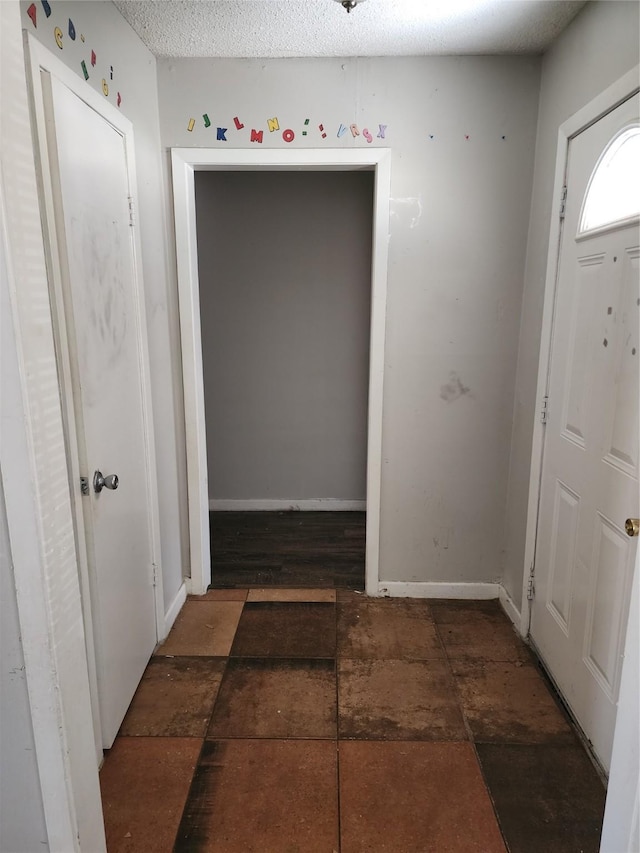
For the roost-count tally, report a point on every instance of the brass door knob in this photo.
(632, 526)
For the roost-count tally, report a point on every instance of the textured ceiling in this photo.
(277, 28)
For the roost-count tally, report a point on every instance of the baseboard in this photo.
(435, 589)
(510, 609)
(174, 608)
(279, 505)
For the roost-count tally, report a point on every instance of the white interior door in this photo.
(88, 161)
(584, 558)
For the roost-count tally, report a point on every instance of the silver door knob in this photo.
(108, 482)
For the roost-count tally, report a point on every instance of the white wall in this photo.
(459, 217)
(285, 301)
(597, 48)
(118, 48)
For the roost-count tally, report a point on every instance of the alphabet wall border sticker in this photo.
(272, 125)
(65, 33)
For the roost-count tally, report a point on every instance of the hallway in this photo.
(282, 720)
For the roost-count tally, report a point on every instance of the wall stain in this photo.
(454, 389)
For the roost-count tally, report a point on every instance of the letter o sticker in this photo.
(57, 34)
(288, 135)
(105, 88)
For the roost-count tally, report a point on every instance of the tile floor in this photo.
(316, 721)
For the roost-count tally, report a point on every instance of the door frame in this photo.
(185, 162)
(38, 59)
(602, 104)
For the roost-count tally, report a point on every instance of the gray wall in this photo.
(134, 75)
(597, 48)
(22, 826)
(459, 218)
(285, 283)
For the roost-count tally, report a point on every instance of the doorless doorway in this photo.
(185, 163)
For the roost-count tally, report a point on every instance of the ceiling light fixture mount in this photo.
(349, 4)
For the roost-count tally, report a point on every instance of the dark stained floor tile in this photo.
(294, 549)
(398, 700)
(470, 632)
(266, 796)
(203, 628)
(509, 702)
(276, 698)
(286, 629)
(414, 798)
(387, 628)
(490, 606)
(175, 697)
(145, 782)
(548, 798)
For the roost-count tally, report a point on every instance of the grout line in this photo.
(188, 797)
(470, 735)
(204, 739)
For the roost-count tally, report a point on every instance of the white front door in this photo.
(105, 339)
(584, 558)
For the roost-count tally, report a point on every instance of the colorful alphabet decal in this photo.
(59, 36)
(272, 125)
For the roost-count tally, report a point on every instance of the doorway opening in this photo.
(284, 265)
(186, 163)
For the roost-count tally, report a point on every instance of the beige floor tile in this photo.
(265, 796)
(414, 798)
(221, 595)
(470, 631)
(203, 628)
(175, 697)
(145, 783)
(509, 702)
(276, 698)
(292, 595)
(391, 629)
(398, 700)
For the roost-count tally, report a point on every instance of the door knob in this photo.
(108, 482)
(632, 526)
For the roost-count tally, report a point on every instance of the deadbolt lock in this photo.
(632, 526)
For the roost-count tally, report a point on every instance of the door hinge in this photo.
(531, 586)
(154, 569)
(544, 410)
(563, 201)
(132, 212)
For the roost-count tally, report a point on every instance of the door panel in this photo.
(584, 559)
(88, 159)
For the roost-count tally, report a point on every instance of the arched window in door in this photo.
(613, 194)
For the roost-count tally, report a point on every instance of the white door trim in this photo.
(40, 59)
(621, 827)
(185, 161)
(606, 101)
